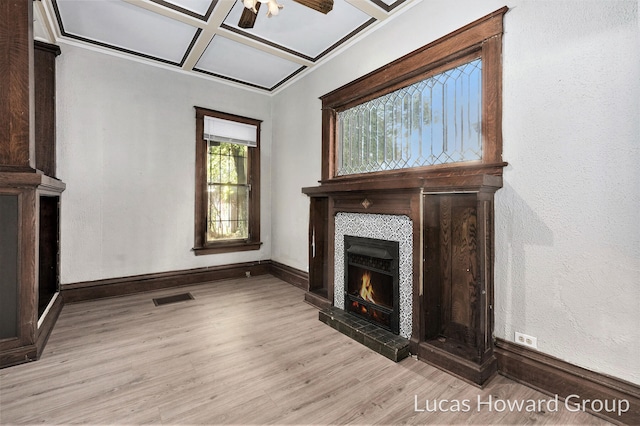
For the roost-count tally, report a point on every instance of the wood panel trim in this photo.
(17, 141)
(455, 44)
(553, 376)
(479, 39)
(290, 275)
(112, 287)
(32, 351)
(442, 180)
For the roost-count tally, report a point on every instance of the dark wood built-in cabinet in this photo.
(30, 194)
(457, 324)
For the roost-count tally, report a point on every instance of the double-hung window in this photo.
(227, 183)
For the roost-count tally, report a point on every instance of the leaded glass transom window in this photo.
(434, 121)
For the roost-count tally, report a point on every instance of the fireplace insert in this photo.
(372, 281)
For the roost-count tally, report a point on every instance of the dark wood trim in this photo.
(553, 376)
(30, 180)
(320, 301)
(226, 248)
(441, 179)
(290, 275)
(113, 287)
(477, 374)
(45, 110)
(318, 247)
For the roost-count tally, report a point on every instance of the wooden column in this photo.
(17, 146)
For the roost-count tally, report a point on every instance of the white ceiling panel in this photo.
(203, 36)
(237, 61)
(201, 7)
(302, 29)
(125, 26)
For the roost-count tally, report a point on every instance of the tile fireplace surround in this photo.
(383, 227)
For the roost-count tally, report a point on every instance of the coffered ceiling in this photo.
(203, 36)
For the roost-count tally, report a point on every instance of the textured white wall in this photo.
(567, 221)
(126, 150)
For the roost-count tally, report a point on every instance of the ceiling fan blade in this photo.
(248, 18)
(323, 6)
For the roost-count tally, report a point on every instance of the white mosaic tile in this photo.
(383, 227)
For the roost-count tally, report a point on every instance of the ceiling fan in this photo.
(251, 7)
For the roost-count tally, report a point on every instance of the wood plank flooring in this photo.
(245, 351)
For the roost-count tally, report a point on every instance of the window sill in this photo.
(227, 248)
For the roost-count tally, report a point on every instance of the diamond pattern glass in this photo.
(434, 121)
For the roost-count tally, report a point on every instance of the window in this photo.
(434, 111)
(227, 216)
(434, 121)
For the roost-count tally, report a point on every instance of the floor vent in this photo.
(172, 299)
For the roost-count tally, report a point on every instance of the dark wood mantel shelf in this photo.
(448, 180)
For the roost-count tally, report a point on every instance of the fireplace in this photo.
(371, 291)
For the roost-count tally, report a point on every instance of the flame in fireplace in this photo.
(366, 289)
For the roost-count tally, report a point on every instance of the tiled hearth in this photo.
(394, 347)
(386, 227)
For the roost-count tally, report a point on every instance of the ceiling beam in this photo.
(198, 49)
(220, 12)
(369, 8)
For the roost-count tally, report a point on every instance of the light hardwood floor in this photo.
(246, 351)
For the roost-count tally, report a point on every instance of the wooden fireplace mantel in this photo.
(472, 177)
(451, 210)
(450, 206)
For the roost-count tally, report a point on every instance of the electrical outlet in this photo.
(526, 340)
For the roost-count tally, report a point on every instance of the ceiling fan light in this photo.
(248, 17)
(274, 8)
(324, 6)
(250, 4)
